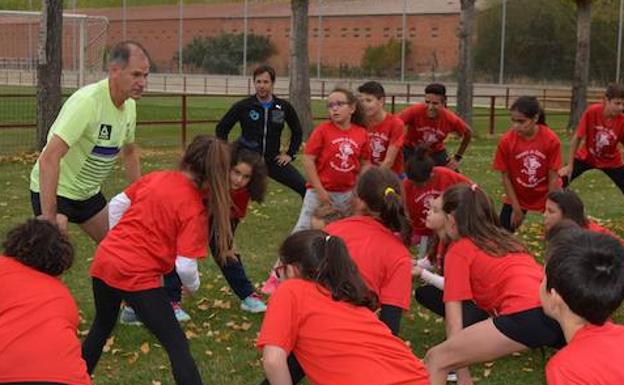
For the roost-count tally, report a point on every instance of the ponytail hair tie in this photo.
(327, 238)
(388, 191)
(473, 187)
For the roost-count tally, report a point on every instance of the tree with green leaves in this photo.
(383, 59)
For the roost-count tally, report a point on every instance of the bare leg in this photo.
(477, 343)
(97, 226)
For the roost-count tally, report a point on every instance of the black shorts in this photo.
(532, 328)
(75, 211)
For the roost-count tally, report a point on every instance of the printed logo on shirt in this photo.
(430, 135)
(277, 116)
(346, 149)
(532, 161)
(603, 139)
(254, 115)
(427, 199)
(105, 131)
(378, 146)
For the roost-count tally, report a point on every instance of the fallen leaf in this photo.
(133, 358)
(145, 348)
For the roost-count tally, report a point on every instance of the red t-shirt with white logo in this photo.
(424, 131)
(166, 218)
(419, 198)
(602, 137)
(383, 135)
(527, 162)
(499, 285)
(240, 200)
(382, 259)
(338, 154)
(334, 341)
(38, 325)
(594, 356)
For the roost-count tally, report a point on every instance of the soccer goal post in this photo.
(84, 42)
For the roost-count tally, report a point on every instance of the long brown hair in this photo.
(476, 219)
(380, 189)
(208, 160)
(324, 259)
(258, 182)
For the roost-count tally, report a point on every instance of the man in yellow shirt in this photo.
(95, 125)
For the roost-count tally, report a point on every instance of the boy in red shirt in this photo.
(583, 286)
(595, 144)
(528, 157)
(429, 123)
(385, 130)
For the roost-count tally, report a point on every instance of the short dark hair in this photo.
(419, 165)
(530, 107)
(258, 183)
(436, 89)
(614, 91)
(120, 53)
(372, 88)
(570, 204)
(262, 68)
(586, 269)
(41, 245)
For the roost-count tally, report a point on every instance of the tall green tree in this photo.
(299, 90)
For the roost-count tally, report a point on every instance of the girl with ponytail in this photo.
(162, 225)
(321, 314)
(486, 264)
(528, 157)
(382, 258)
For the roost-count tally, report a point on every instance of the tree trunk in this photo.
(578, 102)
(464, 74)
(49, 67)
(299, 64)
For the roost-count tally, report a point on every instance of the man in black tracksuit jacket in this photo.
(262, 117)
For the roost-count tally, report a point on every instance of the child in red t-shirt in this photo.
(385, 130)
(248, 180)
(488, 265)
(582, 287)
(429, 123)
(424, 183)
(334, 155)
(38, 316)
(528, 157)
(165, 226)
(600, 131)
(322, 315)
(566, 204)
(382, 258)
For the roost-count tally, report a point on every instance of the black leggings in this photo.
(431, 297)
(505, 217)
(615, 174)
(154, 310)
(287, 175)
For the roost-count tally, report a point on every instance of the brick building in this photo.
(349, 26)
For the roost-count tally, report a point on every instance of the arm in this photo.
(116, 208)
(310, 169)
(553, 180)
(391, 316)
(132, 164)
(391, 155)
(275, 365)
(517, 215)
(296, 132)
(575, 143)
(188, 273)
(227, 122)
(49, 169)
(466, 138)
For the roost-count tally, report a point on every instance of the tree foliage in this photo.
(223, 54)
(541, 40)
(384, 59)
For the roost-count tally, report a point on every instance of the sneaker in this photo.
(270, 285)
(129, 317)
(180, 314)
(253, 304)
(451, 377)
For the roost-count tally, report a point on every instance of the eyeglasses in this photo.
(279, 270)
(331, 105)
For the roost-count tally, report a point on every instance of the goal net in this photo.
(84, 42)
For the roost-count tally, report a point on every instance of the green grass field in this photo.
(222, 337)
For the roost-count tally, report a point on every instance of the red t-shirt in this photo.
(602, 136)
(595, 227)
(527, 163)
(419, 198)
(336, 342)
(383, 135)
(38, 324)
(240, 200)
(422, 130)
(166, 218)
(382, 259)
(498, 285)
(594, 356)
(338, 153)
